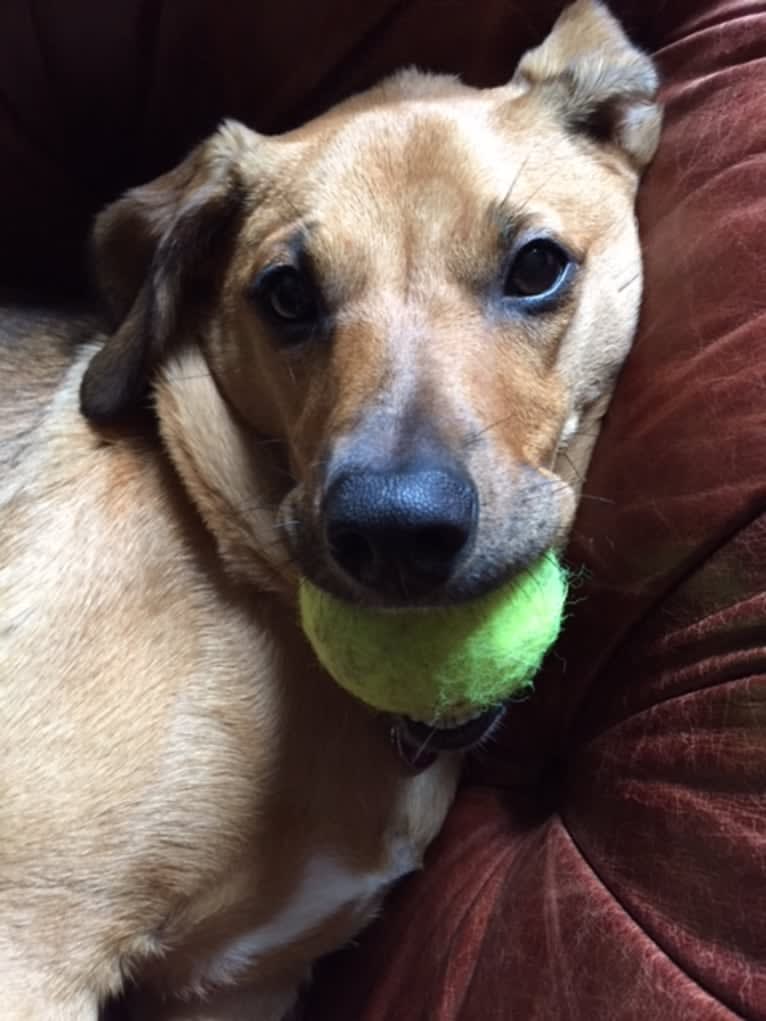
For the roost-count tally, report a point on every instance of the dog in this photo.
(373, 352)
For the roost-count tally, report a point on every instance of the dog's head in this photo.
(417, 296)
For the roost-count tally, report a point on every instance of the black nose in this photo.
(400, 532)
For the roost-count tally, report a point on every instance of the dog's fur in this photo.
(187, 802)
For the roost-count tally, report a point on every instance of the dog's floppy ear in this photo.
(156, 243)
(603, 86)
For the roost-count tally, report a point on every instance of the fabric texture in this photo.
(606, 856)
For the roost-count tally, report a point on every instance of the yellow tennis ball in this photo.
(440, 664)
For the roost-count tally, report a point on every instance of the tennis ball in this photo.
(439, 665)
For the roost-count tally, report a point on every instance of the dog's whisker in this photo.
(493, 425)
(516, 177)
(544, 184)
(263, 508)
(424, 746)
(598, 499)
(279, 526)
(190, 378)
(632, 280)
(561, 486)
(570, 462)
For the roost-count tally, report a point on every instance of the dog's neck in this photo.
(229, 474)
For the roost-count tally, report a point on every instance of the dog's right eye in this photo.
(539, 273)
(287, 296)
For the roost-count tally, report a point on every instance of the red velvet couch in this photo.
(606, 857)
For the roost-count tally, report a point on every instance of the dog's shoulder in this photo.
(38, 349)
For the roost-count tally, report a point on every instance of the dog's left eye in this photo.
(287, 295)
(538, 270)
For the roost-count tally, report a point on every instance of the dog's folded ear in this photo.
(603, 86)
(158, 243)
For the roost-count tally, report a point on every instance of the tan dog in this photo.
(376, 349)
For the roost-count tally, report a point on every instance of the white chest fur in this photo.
(327, 885)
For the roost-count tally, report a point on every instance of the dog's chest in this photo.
(326, 887)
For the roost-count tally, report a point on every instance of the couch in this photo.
(605, 859)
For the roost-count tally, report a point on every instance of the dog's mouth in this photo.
(404, 567)
(419, 744)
